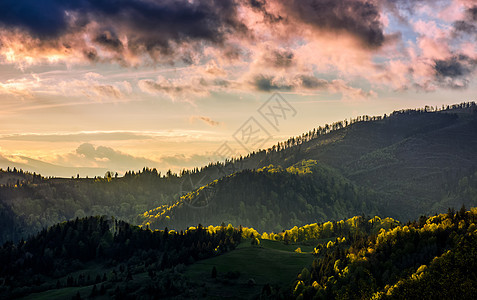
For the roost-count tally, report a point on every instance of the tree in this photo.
(77, 297)
(214, 272)
(94, 291)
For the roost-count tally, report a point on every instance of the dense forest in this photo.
(29, 203)
(409, 163)
(269, 199)
(432, 258)
(51, 259)
(357, 258)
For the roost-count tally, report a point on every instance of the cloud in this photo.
(107, 158)
(468, 23)
(180, 89)
(279, 58)
(122, 29)
(305, 82)
(359, 18)
(234, 45)
(181, 161)
(268, 83)
(130, 31)
(212, 69)
(455, 72)
(108, 91)
(311, 82)
(90, 160)
(93, 86)
(89, 136)
(103, 157)
(171, 20)
(109, 41)
(206, 120)
(76, 137)
(349, 92)
(19, 88)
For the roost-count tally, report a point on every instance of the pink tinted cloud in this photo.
(270, 42)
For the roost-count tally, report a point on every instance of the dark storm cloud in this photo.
(464, 26)
(472, 13)
(43, 18)
(108, 40)
(359, 18)
(283, 58)
(165, 30)
(266, 83)
(279, 58)
(469, 23)
(457, 66)
(149, 25)
(91, 54)
(260, 6)
(455, 72)
(311, 82)
(157, 23)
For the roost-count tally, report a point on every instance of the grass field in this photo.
(271, 262)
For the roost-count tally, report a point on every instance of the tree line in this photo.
(55, 253)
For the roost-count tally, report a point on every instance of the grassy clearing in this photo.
(271, 262)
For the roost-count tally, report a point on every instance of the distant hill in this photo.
(402, 165)
(415, 161)
(38, 166)
(29, 202)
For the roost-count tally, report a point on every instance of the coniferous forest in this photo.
(368, 208)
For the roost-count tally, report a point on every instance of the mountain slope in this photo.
(433, 258)
(108, 253)
(412, 157)
(29, 203)
(357, 258)
(413, 160)
(268, 199)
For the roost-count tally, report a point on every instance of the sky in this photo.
(89, 86)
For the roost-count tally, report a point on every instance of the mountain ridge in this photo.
(408, 159)
(413, 159)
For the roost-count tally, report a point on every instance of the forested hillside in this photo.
(405, 164)
(357, 258)
(60, 258)
(433, 258)
(269, 199)
(29, 203)
(411, 162)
